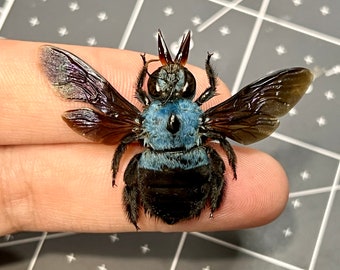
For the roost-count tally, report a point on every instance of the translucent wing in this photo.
(113, 116)
(252, 114)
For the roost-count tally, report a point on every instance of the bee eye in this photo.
(155, 88)
(189, 88)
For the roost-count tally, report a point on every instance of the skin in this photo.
(52, 179)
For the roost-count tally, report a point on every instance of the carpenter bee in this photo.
(179, 173)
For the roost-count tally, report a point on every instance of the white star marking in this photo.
(62, 31)
(73, 6)
(70, 258)
(324, 10)
(287, 232)
(196, 20)
(280, 50)
(114, 238)
(309, 59)
(321, 121)
(168, 11)
(91, 41)
(305, 175)
(145, 249)
(296, 203)
(224, 30)
(102, 16)
(329, 95)
(34, 21)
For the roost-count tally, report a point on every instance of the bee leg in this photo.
(230, 154)
(141, 95)
(131, 198)
(227, 149)
(119, 153)
(217, 180)
(211, 90)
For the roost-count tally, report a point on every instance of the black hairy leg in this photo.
(141, 94)
(230, 154)
(131, 196)
(228, 149)
(216, 180)
(211, 90)
(121, 148)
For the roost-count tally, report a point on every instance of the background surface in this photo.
(249, 39)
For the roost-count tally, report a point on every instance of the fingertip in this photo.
(261, 191)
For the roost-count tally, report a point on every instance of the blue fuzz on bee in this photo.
(156, 118)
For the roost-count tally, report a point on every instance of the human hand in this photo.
(52, 179)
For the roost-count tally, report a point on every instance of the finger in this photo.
(68, 188)
(31, 110)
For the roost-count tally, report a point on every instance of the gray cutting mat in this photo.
(249, 39)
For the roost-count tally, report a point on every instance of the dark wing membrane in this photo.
(252, 113)
(77, 81)
(97, 127)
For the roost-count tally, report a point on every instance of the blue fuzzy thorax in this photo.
(156, 117)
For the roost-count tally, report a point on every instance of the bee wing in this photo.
(252, 113)
(96, 126)
(113, 116)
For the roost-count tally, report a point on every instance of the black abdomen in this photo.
(176, 194)
(173, 186)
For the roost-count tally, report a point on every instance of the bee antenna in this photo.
(163, 51)
(183, 51)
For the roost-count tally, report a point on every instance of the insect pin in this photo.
(179, 173)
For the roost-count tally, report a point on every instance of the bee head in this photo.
(172, 80)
